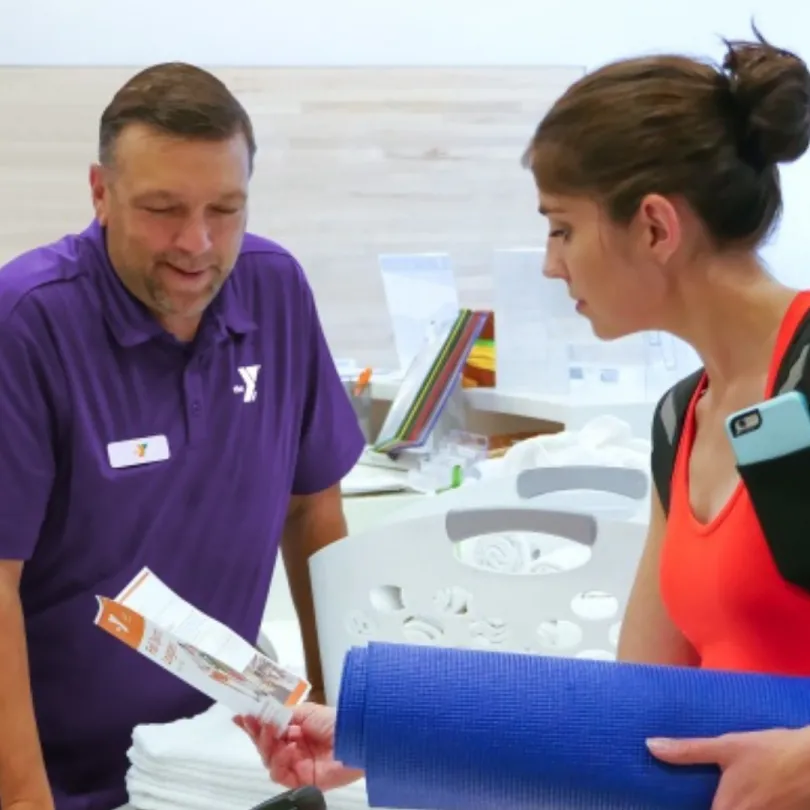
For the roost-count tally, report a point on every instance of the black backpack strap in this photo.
(667, 424)
(778, 486)
(794, 371)
(670, 412)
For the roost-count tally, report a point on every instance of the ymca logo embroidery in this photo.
(248, 390)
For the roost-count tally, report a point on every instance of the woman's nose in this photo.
(553, 267)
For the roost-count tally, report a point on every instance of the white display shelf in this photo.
(573, 410)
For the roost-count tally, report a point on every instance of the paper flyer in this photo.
(151, 618)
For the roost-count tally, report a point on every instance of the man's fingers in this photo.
(268, 741)
(252, 726)
(282, 765)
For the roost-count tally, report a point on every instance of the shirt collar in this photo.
(131, 323)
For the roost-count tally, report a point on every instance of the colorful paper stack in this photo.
(428, 384)
(479, 370)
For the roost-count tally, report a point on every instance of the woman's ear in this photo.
(659, 225)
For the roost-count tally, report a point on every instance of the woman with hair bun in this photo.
(659, 179)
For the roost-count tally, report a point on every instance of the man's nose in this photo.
(194, 236)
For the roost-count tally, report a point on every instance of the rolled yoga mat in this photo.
(451, 729)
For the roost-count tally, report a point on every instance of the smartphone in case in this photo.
(774, 428)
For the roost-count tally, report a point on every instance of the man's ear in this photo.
(99, 192)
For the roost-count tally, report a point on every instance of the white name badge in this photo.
(133, 452)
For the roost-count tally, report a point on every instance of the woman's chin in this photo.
(608, 331)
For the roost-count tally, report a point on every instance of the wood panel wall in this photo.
(351, 163)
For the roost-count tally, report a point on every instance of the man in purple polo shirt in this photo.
(165, 322)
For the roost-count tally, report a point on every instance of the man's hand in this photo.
(761, 770)
(304, 753)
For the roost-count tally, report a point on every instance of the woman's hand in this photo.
(761, 770)
(304, 753)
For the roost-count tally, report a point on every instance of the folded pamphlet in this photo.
(151, 618)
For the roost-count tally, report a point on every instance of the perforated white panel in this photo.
(512, 574)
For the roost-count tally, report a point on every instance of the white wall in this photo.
(407, 32)
(377, 32)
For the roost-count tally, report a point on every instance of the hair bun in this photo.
(771, 89)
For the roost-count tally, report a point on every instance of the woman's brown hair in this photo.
(712, 135)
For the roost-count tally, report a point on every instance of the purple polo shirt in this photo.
(83, 366)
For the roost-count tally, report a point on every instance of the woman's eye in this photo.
(559, 232)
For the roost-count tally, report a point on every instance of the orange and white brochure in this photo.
(151, 618)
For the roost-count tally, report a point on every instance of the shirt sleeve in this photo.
(27, 462)
(331, 438)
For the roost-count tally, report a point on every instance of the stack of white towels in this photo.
(208, 763)
(604, 441)
(202, 763)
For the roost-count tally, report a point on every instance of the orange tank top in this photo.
(719, 583)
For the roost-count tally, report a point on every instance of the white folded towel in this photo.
(506, 553)
(170, 794)
(209, 740)
(604, 440)
(191, 761)
(352, 797)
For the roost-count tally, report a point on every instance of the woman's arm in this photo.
(648, 635)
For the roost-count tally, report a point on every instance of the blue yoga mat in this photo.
(451, 729)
